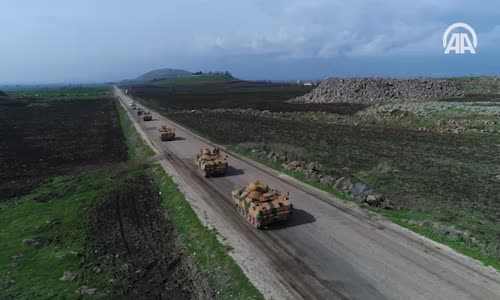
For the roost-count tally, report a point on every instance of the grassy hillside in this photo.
(163, 74)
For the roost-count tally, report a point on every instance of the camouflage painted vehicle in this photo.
(140, 111)
(260, 205)
(147, 116)
(211, 162)
(167, 133)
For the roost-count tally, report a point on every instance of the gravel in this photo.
(362, 90)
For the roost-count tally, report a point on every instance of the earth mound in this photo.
(362, 90)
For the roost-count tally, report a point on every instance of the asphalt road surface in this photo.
(330, 249)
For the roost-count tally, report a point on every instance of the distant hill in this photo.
(162, 74)
(177, 76)
(199, 78)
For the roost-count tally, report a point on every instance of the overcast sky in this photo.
(94, 41)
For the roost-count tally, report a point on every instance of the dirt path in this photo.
(329, 249)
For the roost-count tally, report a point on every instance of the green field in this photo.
(55, 217)
(204, 78)
(60, 94)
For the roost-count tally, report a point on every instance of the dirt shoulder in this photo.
(131, 233)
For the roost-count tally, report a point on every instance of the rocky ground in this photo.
(314, 171)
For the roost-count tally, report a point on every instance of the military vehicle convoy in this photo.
(167, 133)
(260, 205)
(147, 116)
(211, 162)
(140, 111)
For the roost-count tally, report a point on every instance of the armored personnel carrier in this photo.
(211, 162)
(167, 133)
(140, 111)
(147, 116)
(260, 205)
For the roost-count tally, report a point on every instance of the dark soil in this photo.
(131, 234)
(446, 174)
(48, 139)
(232, 95)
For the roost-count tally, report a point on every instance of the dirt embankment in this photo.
(131, 234)
(366, 90)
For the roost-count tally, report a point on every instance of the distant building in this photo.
(308, 84)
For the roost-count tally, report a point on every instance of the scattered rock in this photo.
(313, 167)
(28, 243)
(68, 276)
(466, 235)
(360, 190)
(328, 180)
(313, 176)
(53, 222)
(387, 204)
(343, 183)
(67, 254)
(372, 200)
(294, 165)
(431, 224)
(451, 231)
(84, 290)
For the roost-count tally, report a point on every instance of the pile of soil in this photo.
(367, 90)
(131, 233)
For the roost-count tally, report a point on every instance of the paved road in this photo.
(332, 250)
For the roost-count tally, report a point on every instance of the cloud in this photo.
(55, 40)
(352, 28)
